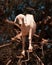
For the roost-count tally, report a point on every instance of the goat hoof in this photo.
(30, 50)
(23, 53)
(12, 39)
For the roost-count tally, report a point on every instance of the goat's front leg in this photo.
(30, 40)
(23, 45)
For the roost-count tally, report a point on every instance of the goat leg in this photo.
(30, 40)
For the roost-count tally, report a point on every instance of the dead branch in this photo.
(38, 59)
(12, 23)
(4, 45)
(8, 62)
(29, 8)
(36, 35)
(17, 31)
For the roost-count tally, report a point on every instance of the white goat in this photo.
(28, 27)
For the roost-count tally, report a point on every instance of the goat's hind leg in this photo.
(23, 45)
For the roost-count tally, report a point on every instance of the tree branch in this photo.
(12, 23)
